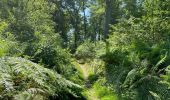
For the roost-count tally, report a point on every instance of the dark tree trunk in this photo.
(108, 15)
(84, 15)
(108, 10)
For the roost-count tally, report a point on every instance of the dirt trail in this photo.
(90, 91)
(85, 71)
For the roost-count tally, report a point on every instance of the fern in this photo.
(131, 76)
(156, 96)
(162, 60)
(19, 76)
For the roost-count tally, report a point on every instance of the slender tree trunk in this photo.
(85, 25)
(77, 30)
(76, 33)
(108, 10)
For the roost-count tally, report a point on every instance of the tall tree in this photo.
(108, 10)
(96, 19)
(85, 19)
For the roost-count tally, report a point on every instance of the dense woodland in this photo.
(84, 49)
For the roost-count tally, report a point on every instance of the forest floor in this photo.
(89, 91)
(93, 90)
(84, 71)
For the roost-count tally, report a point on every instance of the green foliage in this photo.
(23, 77)
(8, 44)
(104, 93)
(156, 97)
(4, 45)
(86, 50)
(51, 55)
(26, 17)
(27, 30)
(139, 53)
(132, 59)
(31, 25)
(100, 91)
(90, 50)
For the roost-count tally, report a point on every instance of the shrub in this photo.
(8, 45)
(47, 51)
(86, 51)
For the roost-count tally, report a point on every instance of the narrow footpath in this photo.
(89, 90)
(85, 71)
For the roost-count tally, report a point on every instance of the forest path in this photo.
(90, 92)
(84, 71)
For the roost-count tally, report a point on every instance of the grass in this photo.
(103, 92)
(97, 91)
(79, 69)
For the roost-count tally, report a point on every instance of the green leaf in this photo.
(156, 96)
(162, 60)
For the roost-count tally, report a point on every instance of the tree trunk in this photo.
(108, 10)
(85, 26)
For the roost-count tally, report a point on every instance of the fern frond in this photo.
(156, 96)
(18, 75)
(130, 76)
(162, 60)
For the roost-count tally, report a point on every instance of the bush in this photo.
(89, 50)
(8, 45)
(86, 51)
(47, 51)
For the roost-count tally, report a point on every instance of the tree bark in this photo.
(108, 10)
(84, 15)
(108, 15)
